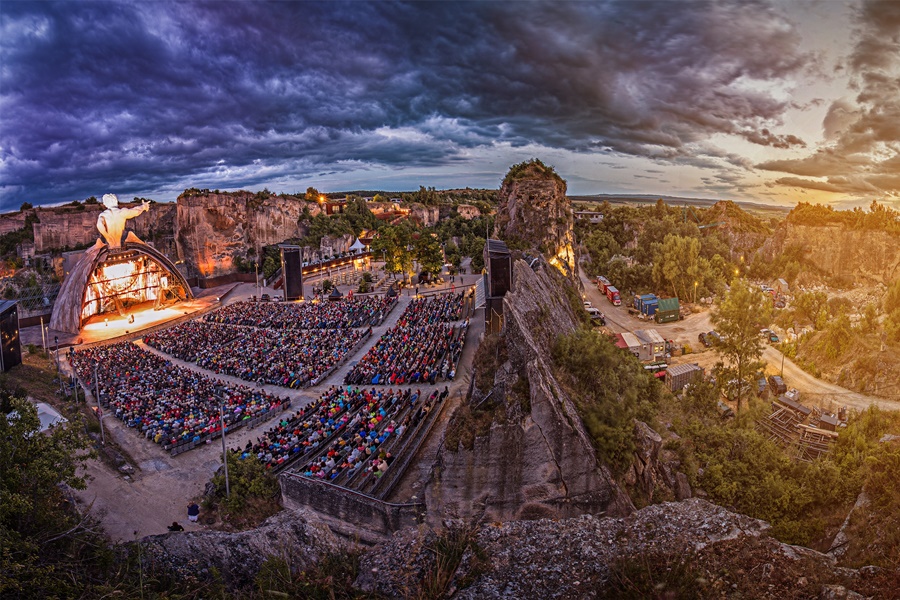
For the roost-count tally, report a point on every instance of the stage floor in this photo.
(112, 325)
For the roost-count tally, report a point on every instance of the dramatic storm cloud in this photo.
(148, 98)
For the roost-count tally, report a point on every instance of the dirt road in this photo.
(619, 320)
(822, 393)
(814, 391)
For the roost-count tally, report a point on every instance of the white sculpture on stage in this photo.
(111, 222)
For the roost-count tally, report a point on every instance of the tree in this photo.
(451, 251)
(26, 206)
(392, 243)
(312, 194)
(427, 251)
(812, 306)
(37, 532)
(676, 265)
(738, 319)
(359, 215)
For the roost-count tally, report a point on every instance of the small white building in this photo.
(653, 345)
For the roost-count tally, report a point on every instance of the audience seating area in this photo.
(287, 344)
(172, 406)
(423, 347)
(349, 436)
(289, 358)
(341, 314)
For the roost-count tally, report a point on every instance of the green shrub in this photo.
(609, 388)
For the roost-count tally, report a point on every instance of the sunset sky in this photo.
(772, 102)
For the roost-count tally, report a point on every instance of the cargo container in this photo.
(678, 376)
(612, 295)
(641, 299)
(648, 307)
(667, 310)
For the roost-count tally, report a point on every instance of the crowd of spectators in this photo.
(187, 340)
(338, 314)
(163, 402)
(422, 347)
(310, 426)
(364, 446)
(288, 358)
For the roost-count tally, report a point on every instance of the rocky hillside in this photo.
(289, 535)
(852, 256)
(532, 456)
(690, 549)
(213, 229)
(519, 449)
(535, 215)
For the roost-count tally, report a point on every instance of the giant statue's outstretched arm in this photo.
(130, 213)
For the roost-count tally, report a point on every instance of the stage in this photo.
(108, 326)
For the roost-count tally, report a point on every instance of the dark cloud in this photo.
(136, 97)
(862, 157)
(766, 138)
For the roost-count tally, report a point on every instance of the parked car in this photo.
(776, 385)
(702, 338)
(713, 338)
(596, 316)
(773, 337)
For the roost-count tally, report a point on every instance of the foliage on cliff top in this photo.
(610, 389)
(737, 219)
(878, 218)
(532, 169)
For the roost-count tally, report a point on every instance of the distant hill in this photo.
(756, 207)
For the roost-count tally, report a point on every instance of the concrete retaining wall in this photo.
(350, 511)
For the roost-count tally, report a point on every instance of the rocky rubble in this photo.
(294, 536)
(692, 545)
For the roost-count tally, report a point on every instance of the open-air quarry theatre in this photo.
(382, 408)
(113, 275)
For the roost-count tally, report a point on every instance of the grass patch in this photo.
(467, 424)
(491, 353)
(654, 576)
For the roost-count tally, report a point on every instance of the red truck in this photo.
(613, 295)
(603, 283)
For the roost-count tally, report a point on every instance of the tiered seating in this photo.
(341, 314)
(288, 358)
(422, 347)
(167, 404)
(187, 340)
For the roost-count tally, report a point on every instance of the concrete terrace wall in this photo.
(350, 511)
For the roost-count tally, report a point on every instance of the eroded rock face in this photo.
(213, 229)
(291, 535)
(537, 460)
(854, 256)
(60, 228)
(536, 215)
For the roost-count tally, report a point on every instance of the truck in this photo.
(602, 284)
(612, 295)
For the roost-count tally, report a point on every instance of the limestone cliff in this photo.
(536, 460)
(536, 215)
(63, 227)
(213, 229)
(427, 216)
(853, 256)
